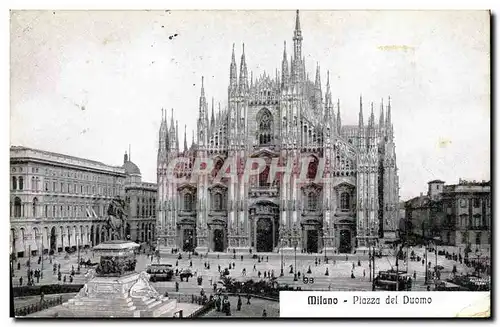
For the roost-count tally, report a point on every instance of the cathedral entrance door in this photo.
(188, 240)
(264, 235)
(345, 241)
(312, 241)
(218, 240)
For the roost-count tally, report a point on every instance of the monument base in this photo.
(116, 290)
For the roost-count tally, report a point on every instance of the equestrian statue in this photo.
(116, 218)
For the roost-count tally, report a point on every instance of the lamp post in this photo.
(78, 249)
(295, 255)
(41, 275)
(282, 263)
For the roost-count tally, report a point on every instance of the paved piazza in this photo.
(338, 279)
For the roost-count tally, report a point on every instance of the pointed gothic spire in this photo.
(297, 21)
(388, 121)
(360, 116)
(172, 121)
(192, 138)
(328, 95)
(232, 72)
(185, 139)
(371, 121)
(212, 119)
(381, 119)
(317, 83)
(243, 72)
(177, 135)
(338, 121)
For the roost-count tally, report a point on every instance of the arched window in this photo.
(344, 201)
(17, 207)
(312, 169)
(217, 202)
(21, 183)
(312, 201)
(33, 184)
(37, 184)
(35, 203)
(14, 182)
(188, 202)
(265, 127)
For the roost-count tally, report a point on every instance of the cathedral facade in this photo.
(345, 198)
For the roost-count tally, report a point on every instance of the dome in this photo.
(131, 168)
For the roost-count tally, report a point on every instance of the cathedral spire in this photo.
(388, 121)
(381, 119)
(339, 121)
(317, 83)
(371, 121)
(212, 119)
(297, 21)
(243, 72)
(360, 117)
(202, 95)
(185, 139)
(192, 138)
(177, 135)
(232, 73)
(172, 127)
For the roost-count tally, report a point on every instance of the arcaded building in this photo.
(59, 202)
(282, 115)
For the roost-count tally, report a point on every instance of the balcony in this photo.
(264, 191)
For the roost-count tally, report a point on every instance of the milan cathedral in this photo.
(287, 116)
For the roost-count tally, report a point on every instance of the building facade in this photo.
(140, 198)
(59, 202)
(459, 214)
(285, 117)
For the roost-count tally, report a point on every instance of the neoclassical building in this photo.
(59, 202)
(285, 116)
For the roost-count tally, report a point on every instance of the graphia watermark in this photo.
(306, 169)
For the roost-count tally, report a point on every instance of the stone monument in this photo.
(114, 288)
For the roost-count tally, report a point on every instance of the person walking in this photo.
(21, 281)
(248, 298)
(264, 313)
(238, 306)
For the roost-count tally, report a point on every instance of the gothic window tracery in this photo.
(188, 201)
(265, 127)
(344, 201)
(312, 201)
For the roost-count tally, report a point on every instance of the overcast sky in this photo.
(90, 83)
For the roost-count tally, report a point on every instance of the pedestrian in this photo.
(254, 267)
(414, 275)
(258, 274)
(190, 263)
(70, 279)
(264, 313)
(218, 268)
(352, 274)
(176, 286)
(64, 279)
(326, 272)
(176, 263)
(329, 287)
(59, 276)
(238, 306)
(265, 274)
(166, 294)
(364, 273)
(267, 258)
(21, 281)
(242, 258)
(234, 265)
(18, 266)
(42, 296)
(37, 278)
(215, 287)
(248, 298)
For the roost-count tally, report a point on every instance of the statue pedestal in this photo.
(117, 290)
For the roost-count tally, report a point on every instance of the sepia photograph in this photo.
(260, 164)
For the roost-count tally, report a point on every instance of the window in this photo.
(35, 202)
(188, 202)
(53, 186)
(217, 201)
(265, 127)
(21, 183)
(14, 182)
(17, 207)
(476, 203)
(46, 211)
(344, 201)
(312, 201)
(463, 203)
(46, 186)
(33, 186)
